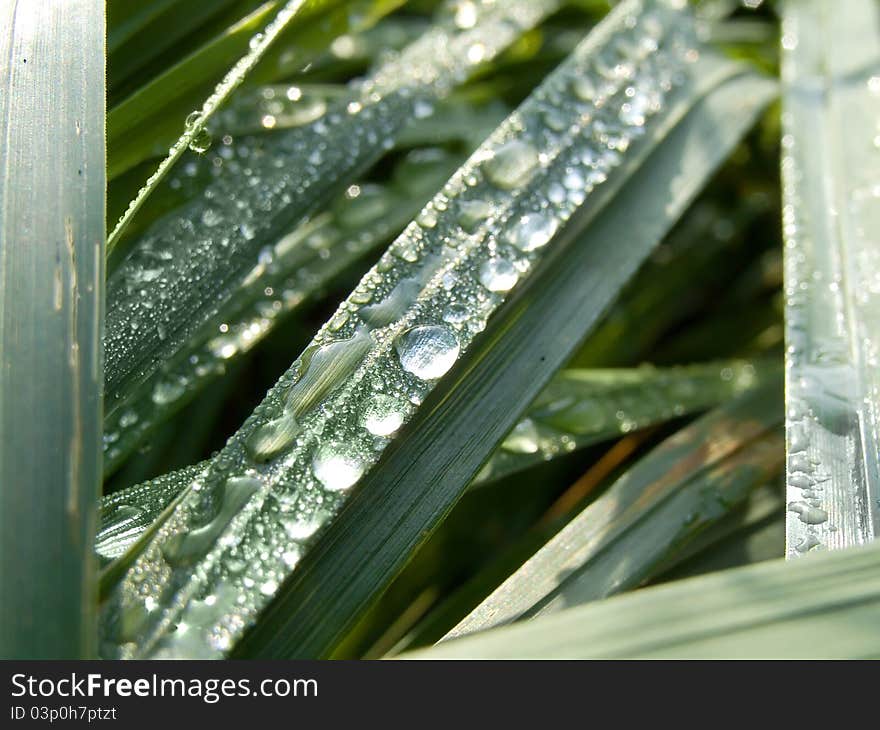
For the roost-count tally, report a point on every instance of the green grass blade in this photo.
(583, 407)
(378, 359)
(825, 606)
(51, 279)
(139, 32)
(294, 174)
(832, 316)
(690, 480)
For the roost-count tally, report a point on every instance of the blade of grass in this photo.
(324, 456)
(583, 407)
(689, 481)
(825, 606)
(51, 279)
(832, 316)
(362, 552)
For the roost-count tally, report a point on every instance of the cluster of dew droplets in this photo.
(189, 261)
(283, 277)
(231, 541)
(808, 520)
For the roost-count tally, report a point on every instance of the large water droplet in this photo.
(427, 351)
(383, 415)
(532, 231)
(512, 165)
(337, 467)
(498, 275)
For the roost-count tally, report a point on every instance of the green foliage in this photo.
(555, 372)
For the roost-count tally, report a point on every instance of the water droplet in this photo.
(301, 528)
(512, 165)
(532, 231)
(472, 212)
(498, 275)
(584, 88)
(182, 548)
(427, 351)
(337, 467)
(383, 415)
(167, 391)
(201, 142)
(270, 439)
(808, 514)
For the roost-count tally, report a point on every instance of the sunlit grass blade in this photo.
(153, 306)
(690, 480)
(825, 606)
(831, 227)
(262, 502)
(51, 280)
(365, 551)
(750, 534)
(583, 407)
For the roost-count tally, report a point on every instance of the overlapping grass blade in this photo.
(247, 518)
(583, 407)
(690, 480)
(825, 606)
(177, 275)
(51, 279)
(831, 227)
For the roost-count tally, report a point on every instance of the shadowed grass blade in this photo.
(831, 223)
(262, 501)
(690, 480)
(51, 279)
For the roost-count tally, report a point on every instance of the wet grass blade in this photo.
(51, 279)
(371, 370)
(691, 480)
(831, 226)
(825, 606)
(583, 407)
(291, 176)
